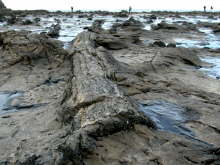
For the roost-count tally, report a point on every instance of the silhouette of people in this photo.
(211, 7)
(130, 9)
(204, 8)
(71, 8)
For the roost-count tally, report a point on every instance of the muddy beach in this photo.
(103, 88)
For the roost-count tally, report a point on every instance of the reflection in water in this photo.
(167, 116)
(186, 43)
(5, 99)
(210, 41)
(212, 71)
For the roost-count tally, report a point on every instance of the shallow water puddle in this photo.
(213, 41)
(196, 19)
(167, 116)
(186, 43)
(212, 71)
(5, 100)
(210, 41)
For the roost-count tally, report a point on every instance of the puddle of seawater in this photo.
(5, 99)
(186, 43)
(209, 41)
(147, 27)
(214, 71)
(196, 19)
(205, 30)
(167, 116)
(212, 39)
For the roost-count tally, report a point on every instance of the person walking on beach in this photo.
(72, 9)
(130, 9)
(204, 8)
(211, 8)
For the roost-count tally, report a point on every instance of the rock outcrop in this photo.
(131, 25)
(25, 46)
(114, 39)
(165, 26)
(176, 56)
(159, 44)
(122, 14)
(2, 6)
(54, 30)
(216, 29)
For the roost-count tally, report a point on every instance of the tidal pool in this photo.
(5, 100)
(167, 117)
(213, 71)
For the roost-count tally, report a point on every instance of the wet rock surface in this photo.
(25, 46)
(109, 97)
(54, 30)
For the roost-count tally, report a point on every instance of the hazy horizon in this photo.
(112, 5)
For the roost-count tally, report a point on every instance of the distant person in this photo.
(72, 9)
(130, 9)
(212, 8)
(204, 8)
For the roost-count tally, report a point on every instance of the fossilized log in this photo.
(93, 103)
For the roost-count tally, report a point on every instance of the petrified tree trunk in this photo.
(93, 103)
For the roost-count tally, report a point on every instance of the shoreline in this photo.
(127, 90)
(165, 12)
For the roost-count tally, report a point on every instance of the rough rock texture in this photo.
(176, 56)
(25, 46)
(165, 26)
(216, 29)
(114, 40)
(93, 104)
(119, 41)
(130, 25)
(121, 14)
(142, 146)
(96, 26)
(92, 83)
(159, 44)
(54, 30)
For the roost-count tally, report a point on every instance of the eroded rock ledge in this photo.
(27, 47)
